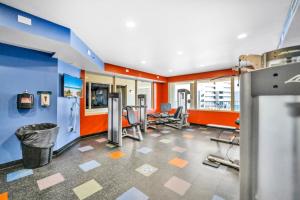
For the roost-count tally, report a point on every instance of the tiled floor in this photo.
(163, 167)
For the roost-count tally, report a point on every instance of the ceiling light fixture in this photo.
(242, 36)
(143, 62)
(130, 24)
(179, 52)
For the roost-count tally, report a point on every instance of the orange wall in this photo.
(204, 75)
(131, 72)
(90, 124)
(225, 118)
(213, 117)
(98, 123)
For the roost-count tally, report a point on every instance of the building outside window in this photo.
(236, 94)
(214, 95)
(144, 87)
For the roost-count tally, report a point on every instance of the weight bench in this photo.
(216, 161)
(232, 140)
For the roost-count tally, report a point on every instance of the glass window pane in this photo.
(236, 94)
(144, 87)
(173, 96)
(214, 95)
(99, 95)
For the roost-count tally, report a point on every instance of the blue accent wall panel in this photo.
(9, 18)
(80, 46)
(43, 28)
(23, 69)
(67, 118)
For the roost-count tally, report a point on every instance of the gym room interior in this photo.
(161, 100)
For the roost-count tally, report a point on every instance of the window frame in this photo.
(152, 93)
(194, 93)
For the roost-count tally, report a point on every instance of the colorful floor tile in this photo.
(133, 194)
(87, 189)
(155, 135)
(87, 166)
(188, 136)
(216, 197)
(177, 185)
(18, 174)
(146, 169)
(177, 162)
(50, 181)
(190, 130)
(4, 196)
(165, 141)
(110, 146)
(179, 149)
(101, 140)
(85, 148)
(144, 150)
(165, 131)
(116, 155)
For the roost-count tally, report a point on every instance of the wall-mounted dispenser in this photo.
(25, 100)
(45, 98)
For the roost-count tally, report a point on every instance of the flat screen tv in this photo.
(72, 86)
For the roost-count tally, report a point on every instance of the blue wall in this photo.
(65, 117)
(23, 69)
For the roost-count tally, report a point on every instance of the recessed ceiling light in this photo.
(130, 24)
(170, 70)
(179, 52)
(157, 77)
(143, 62)
(242, 36)
(127, 70)
(200, 66)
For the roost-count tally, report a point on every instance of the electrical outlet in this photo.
(70, 129)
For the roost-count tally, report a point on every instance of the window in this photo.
(96, 95)
(144, 87)
(214, 95)
(236, 94)
(174, 87)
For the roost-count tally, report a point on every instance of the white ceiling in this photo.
(205, 31)
(293, 36)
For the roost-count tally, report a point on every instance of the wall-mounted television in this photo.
(72, 86)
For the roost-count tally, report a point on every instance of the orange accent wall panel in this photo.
(4, 196)
(161, 94)
(131, 72)
(204, 75)
(92, 124)
(213, 117)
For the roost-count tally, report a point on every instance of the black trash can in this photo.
(37, 142)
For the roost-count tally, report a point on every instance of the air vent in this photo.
(24, 20)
